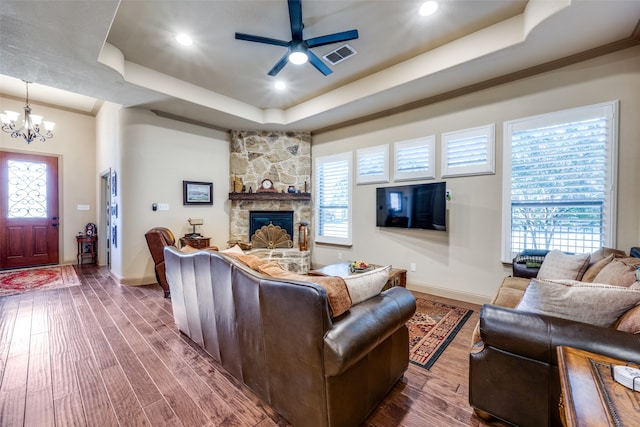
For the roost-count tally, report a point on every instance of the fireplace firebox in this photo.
(258, 219)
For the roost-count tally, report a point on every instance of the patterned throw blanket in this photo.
(337, 292)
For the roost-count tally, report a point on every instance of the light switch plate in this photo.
(163, 206)
(83, 207)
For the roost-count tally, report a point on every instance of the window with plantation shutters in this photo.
(468, 152)
(414, 159)
(558, 189)
(373, 164)
(333, 200)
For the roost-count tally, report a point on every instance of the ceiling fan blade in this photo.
(295, 19)
(260, 39)
(317, 62)
(279, 65)
(332, 38)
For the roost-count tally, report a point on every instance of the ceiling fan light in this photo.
(298, 57)
(280, 85)
(428, 8)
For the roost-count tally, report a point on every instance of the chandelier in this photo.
(30, 129)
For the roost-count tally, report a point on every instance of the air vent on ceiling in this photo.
(340, 54)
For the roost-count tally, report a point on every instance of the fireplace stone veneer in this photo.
(284, 158)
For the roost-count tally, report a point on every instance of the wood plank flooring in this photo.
(102, 354)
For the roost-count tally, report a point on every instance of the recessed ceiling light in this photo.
(280, 85)
(184, 39)
(428, 8)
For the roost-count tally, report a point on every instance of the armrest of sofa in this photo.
(364, 326)
(537, 336)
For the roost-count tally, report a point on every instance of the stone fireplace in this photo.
(285, 159)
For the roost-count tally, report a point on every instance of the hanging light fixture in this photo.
(30, 129)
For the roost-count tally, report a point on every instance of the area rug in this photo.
(19, 281)
(432, 328)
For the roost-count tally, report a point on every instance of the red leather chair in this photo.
(157, 239)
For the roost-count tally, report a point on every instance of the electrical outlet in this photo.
(413, 266)
(339, 255)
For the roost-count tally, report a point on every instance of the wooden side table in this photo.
(590, 395)
(195, 242)
(397, 276)
(86, 248)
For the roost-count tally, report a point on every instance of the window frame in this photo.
(487, 168)
(430, 173)
(611, 110)
(364, 153)
(318, 161)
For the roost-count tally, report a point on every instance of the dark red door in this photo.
(28, 210)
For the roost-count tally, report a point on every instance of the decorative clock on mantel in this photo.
(266, 186)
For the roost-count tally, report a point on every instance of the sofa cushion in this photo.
(366, 285)
(595, 268)
(559, 265)
(619, 272)
(594, 303)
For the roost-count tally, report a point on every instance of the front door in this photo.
(28, 210)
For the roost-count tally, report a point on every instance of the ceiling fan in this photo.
(298, 49)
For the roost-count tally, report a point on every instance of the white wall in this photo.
(74, 143)
(465, 262)
(156, 155)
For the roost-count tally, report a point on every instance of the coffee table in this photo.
(397, 276)
(590, 396)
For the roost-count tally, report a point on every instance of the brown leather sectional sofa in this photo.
(278, 337)
(513, 373)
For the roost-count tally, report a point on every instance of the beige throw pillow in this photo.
(367, 285)
(595, 268)
(558, 265)
(594, 303)
(619, 272)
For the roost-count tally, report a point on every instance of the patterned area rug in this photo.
(432, 328)
(33, 279)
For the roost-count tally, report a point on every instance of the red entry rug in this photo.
(432, 328)
(19, 281)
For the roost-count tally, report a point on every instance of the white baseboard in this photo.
(450, 293)
(133, 281)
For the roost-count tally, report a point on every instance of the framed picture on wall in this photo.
(197, 193)
(114, 183)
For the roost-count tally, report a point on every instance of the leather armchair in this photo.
(157, 239)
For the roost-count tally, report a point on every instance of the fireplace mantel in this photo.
(270, 196)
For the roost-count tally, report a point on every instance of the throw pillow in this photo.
(593, 303)
(366, 285)
(630, 321)
(559, 265)
(593, 270)
(619, 272)
(233, 250)
(604, 252)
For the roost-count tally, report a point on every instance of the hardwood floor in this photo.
(102, 354)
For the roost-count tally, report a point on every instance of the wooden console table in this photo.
(590, 396)
(195, 242)
(397, 277)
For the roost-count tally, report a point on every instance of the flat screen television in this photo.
(421, 206)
